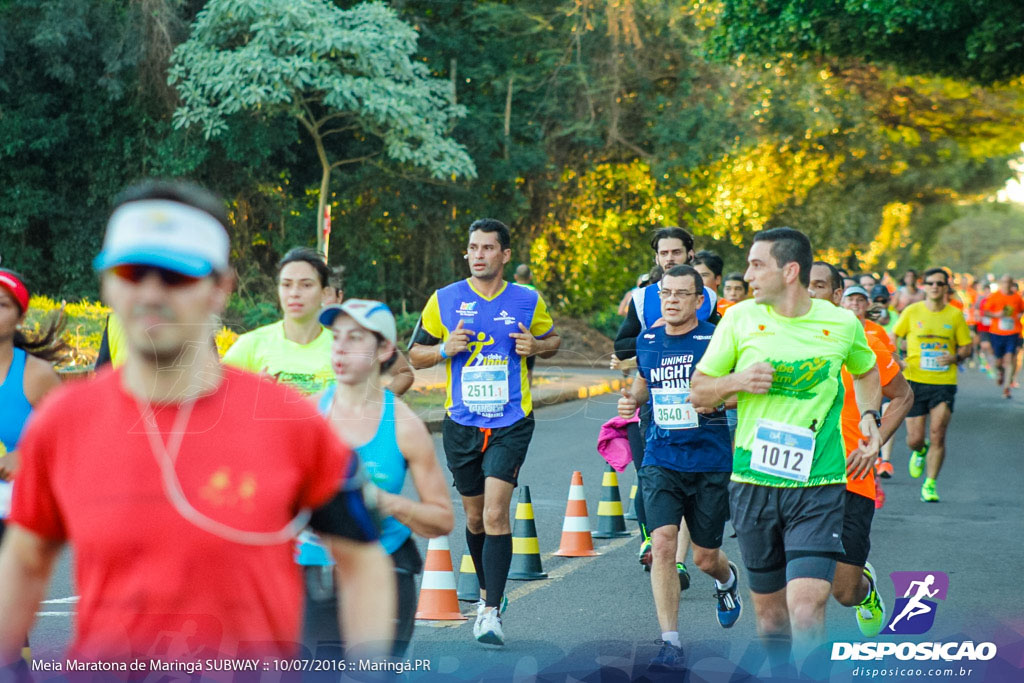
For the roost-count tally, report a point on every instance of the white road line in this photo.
(55, 614)
(61, 601)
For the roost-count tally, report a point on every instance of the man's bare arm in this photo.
(26, 563)
(710, 392)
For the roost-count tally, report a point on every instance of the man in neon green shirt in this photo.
(781, 354)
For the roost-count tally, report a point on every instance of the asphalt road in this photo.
(593, 619)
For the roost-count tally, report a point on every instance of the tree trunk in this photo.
(508, 116)
(325, 183)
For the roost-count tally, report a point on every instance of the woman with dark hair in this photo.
(296, 350)
(27, 375)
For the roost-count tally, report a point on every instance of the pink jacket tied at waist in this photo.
(613, 443)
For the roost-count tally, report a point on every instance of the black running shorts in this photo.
(928, 396)
(474, 453)
(773, 523)
(857, 518)
(701, 497)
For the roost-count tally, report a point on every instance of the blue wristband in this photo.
(443, 354)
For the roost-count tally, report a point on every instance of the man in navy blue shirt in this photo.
(687, 458)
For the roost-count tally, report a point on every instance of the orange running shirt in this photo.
(887, 369)
(1010, 307)
(872, 328)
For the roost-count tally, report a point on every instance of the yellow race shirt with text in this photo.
(496, 382)
(929, 335)
(304, 367)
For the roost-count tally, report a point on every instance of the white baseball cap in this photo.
(856, 289)
(166, 234)
(373, 315)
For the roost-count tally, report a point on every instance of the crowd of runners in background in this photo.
(767, 397)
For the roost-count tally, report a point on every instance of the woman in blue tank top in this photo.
(26, 377)
(390, 439)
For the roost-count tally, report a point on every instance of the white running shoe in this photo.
(487, 628)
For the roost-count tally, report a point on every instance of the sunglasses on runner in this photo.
(934, 283)
(136, 273)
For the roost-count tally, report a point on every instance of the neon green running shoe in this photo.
(871, 612)
(917, 460)
(645, 555)
(928, 494)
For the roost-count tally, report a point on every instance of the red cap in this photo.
(13, 284)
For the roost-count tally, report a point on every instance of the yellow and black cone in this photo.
(610, 522)
(525, 546)
(468, 588)
(631, 513)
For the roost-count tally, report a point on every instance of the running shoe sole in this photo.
(490, 638)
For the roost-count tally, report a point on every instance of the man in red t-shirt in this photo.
(1005, 308)
(179, 483)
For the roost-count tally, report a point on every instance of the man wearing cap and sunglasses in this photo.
(181, 498)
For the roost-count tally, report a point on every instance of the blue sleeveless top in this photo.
(648, 304)
(385, 466)
(14, 412)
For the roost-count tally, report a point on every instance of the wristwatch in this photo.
(875, 414)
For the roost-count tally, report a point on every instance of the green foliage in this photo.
(980, 237)
(349, 74)
(590, 122)
(295, 55)
(606, 320)
(981, 39)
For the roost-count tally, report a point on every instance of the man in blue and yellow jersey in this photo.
(483, 328)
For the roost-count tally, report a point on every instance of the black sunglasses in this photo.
(934, 283)
(136, 273)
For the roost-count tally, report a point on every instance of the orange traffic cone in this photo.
(576, 538)
(438, 601)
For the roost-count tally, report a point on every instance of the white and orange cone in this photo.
(576, 538)
(438, 598)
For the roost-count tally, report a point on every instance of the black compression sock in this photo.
(475, 543)
(497, 560)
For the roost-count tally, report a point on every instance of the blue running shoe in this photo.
(669, 659)
(729, 606)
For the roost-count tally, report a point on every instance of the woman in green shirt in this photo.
(296, 350)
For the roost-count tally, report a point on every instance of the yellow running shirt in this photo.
(304, 367)
(930, 334)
